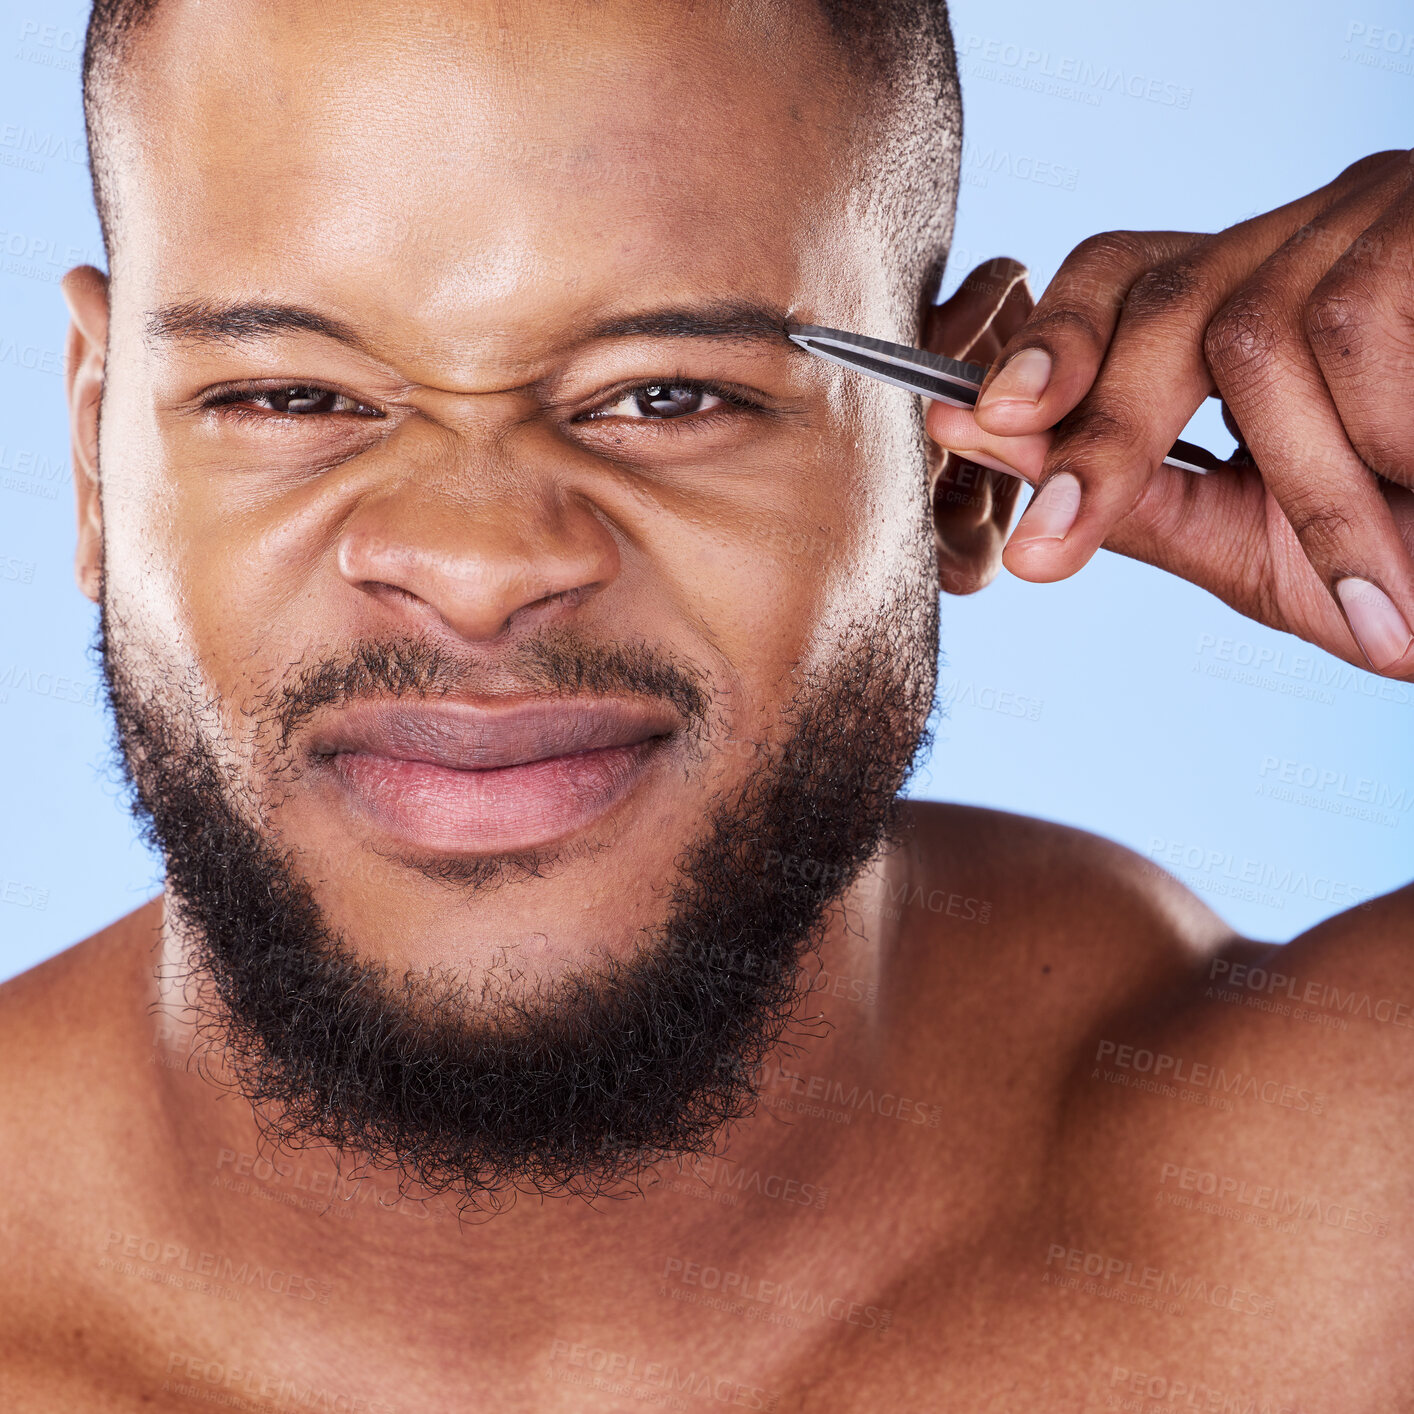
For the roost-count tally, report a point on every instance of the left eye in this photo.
(663, 400)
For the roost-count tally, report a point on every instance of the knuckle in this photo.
(1089, 426)
(1111, 248)
(1062, 324)
(1319, 524)
(1377, 252)
(1334, 318)
(1089, 429)
(1241, 340)
(1157, 291)
(1377, 164)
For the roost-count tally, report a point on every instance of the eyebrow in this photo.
(206, 321)
(744, 321)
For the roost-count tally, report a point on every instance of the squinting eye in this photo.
(302, 401)
(663, 400)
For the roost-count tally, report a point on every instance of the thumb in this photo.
(1208, 529)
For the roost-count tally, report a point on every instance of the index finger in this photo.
(1048, 365)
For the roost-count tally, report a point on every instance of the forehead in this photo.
(422, 161)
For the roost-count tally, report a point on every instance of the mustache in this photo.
(551, 664)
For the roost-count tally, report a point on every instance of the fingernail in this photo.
(1378, 626)
(1022, 380)
(1052, 510)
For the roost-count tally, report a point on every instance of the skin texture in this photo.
(1300, 321)
(469, 515)
(963, 1111)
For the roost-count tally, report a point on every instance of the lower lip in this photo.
(493, 811)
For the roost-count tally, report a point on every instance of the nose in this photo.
(514, 554)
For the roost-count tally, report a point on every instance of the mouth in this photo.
(458, 777)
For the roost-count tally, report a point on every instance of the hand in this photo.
(1302, 321)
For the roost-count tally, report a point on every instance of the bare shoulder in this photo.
(1345, 990)
(1077, 898)
(60, 1021)
(70, 1058)
(1257, 1127)
(1020, 940)
(72, 1084)
(1334, 1008)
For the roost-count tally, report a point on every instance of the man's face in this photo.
(383, 501)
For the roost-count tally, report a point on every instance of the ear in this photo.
(972, 506)
(86, 293)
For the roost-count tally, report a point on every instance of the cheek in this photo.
(201, 608)
(774, 594)
(880, 527)
(193, 585)
(144, 529)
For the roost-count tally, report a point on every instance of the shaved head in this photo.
(894, 72)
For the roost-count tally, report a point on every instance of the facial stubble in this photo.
(483, 1089)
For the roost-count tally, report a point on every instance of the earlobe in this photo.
(86, 294)
(972, 513)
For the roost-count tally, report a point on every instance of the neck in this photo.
(313, 1216)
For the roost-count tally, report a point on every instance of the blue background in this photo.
(1122, 701)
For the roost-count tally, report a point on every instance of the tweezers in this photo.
(945, 380)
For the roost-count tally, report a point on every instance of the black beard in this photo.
(570, 1089)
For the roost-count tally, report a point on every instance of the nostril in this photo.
(570, 598)
(381, 586)
(565, 600)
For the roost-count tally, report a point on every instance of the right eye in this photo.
(294, 400)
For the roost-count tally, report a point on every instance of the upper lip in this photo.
(470, 737)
